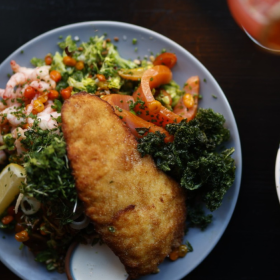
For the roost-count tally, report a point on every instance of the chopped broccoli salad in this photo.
(184, 140)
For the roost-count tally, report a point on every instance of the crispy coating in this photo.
(138, 210)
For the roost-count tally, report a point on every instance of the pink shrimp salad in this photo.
(15, 109)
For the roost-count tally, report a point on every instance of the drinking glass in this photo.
(260, 19)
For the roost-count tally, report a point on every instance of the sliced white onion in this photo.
(80, 224)
(33, 203)
(19, 199)
(78, 212)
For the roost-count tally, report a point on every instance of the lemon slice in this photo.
(132, 74)
(10, 179)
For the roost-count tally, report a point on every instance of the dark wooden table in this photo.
(249, 248)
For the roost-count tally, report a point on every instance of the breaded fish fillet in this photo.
(138, 210)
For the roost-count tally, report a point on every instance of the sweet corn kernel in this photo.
(188, 100)
(154, 106)
(80, 65)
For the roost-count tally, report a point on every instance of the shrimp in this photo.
(41, 86)
(40, 77)
(17, 79)
(18, 93)
(48, 120)
(14, 116)
(3, 157)
(18, 134)
(28, 111)
(39, 73)
(49, 107)
(47, 117)
(2, 103)
(2, 92)
(16, 68)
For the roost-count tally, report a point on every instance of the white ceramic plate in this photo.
(22, 262)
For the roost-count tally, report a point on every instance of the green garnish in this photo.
(193, 159)
(189, 246)
(111, 229)
(49, 177)
(37, 62)
(118, 108)
(9, 141)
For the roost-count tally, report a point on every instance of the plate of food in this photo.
(112, 134)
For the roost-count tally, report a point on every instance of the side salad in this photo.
(185, 141)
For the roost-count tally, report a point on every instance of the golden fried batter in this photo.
(138, 210)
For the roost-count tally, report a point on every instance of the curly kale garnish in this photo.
(194, 159)
(48, 175)
(197, 217)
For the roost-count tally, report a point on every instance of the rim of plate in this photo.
(234, 129)
(277, 173)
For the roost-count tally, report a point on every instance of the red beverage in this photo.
(260, 19)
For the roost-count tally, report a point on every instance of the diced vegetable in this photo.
(29, 92)
(55, 75)
(48, 60)
(68, 43)
(86, 84)
(22, 236)
(53, 94)
(66, 92)
(69, 61)
(174, 90)
(167, 59)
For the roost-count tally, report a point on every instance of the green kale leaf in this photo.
(194, 157)
(198, 218)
